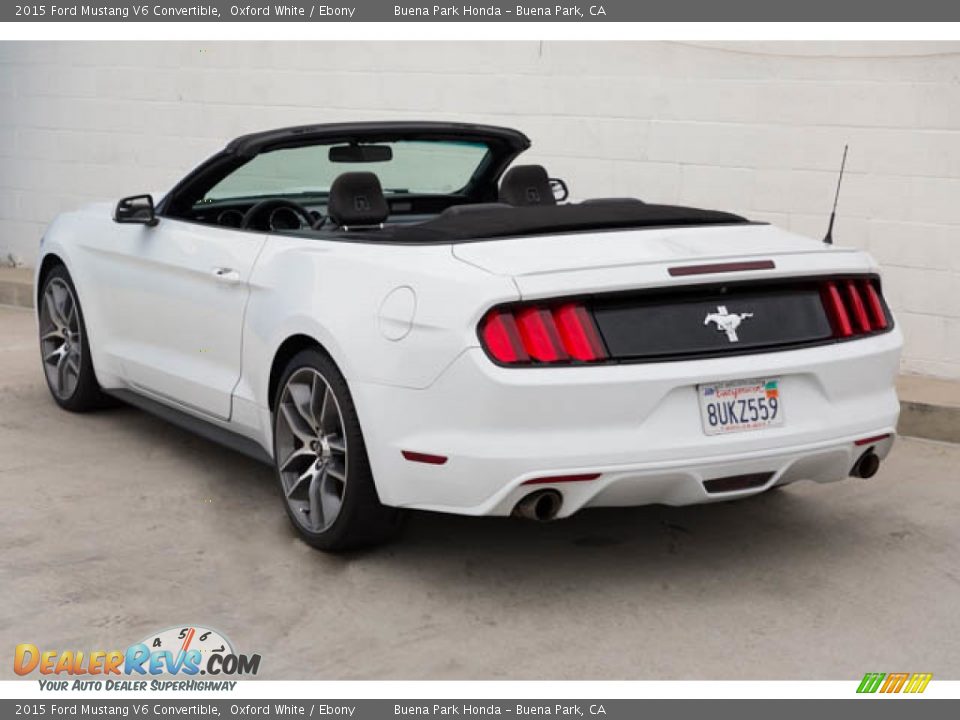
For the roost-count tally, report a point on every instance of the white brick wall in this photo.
(756, 128)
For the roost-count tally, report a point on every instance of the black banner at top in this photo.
(484, 11)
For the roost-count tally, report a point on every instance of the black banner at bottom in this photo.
(875, 708)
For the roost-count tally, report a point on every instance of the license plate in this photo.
(740, 405)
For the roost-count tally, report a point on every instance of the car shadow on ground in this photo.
(603, 544)
(596, 545)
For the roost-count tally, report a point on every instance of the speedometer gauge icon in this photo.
(183, 638)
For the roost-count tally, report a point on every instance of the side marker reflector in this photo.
(424, 457)
(871, 440)
(562, 479)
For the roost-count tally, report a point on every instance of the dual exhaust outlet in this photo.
(543, 505)
(866, 466)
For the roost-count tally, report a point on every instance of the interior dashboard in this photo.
(283, 214)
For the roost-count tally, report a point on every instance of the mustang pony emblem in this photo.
(727, 322)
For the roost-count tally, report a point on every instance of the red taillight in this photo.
(541, 334)
(502, 339)
(856, 303)
(853, 307)
(579, 334)
(877, 314)
(836, 311)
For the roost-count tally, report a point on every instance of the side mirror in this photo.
(559, 187)
(136, 209)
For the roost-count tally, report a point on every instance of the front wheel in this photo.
(321, 460)
(64, 348)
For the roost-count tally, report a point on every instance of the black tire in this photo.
(362, 520)
(86, 394)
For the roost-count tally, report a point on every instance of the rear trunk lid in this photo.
(577, 263)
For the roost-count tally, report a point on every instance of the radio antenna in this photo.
(828, 238)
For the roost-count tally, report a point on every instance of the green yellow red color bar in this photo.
(894, 682)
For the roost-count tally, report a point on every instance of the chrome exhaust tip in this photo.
(541, 505)
(866, 466)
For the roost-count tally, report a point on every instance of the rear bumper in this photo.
(681, 482)
(637, 425)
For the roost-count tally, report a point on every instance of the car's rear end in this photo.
(672, 365)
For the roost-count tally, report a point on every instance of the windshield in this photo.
(403, 166)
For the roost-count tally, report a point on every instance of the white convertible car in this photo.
(397, 315)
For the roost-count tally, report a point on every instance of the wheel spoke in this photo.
(330, 498)
(52, 309)
(60, 301)
(329, 415)
(337, 470)
(51, 335)
(301, 398)
(71, 314)
(316, 503)
(337, 444)
(318, 401)
(54, 355)
(300, 453)
(306, 476)
(62, 375)
(296, 423)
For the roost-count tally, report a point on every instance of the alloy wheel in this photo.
(61, 342)
(311, 450)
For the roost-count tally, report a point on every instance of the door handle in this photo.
(227, 275)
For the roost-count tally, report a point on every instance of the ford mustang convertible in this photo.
(399, 315)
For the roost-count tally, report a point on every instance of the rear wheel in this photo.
(321, 460)
(64, 348)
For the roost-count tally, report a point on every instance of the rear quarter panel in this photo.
(335, 292)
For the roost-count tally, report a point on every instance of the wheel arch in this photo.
(49, 262)
(285, 351)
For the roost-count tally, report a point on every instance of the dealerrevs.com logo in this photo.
(185, 652)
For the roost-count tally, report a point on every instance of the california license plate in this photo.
(740, 405)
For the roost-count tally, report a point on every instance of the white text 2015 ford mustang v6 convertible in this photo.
(394, 319)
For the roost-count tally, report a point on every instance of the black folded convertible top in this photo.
(477, 222)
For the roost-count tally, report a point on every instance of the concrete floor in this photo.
(114, 525)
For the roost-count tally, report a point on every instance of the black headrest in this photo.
(356, 199)
(526, 185)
